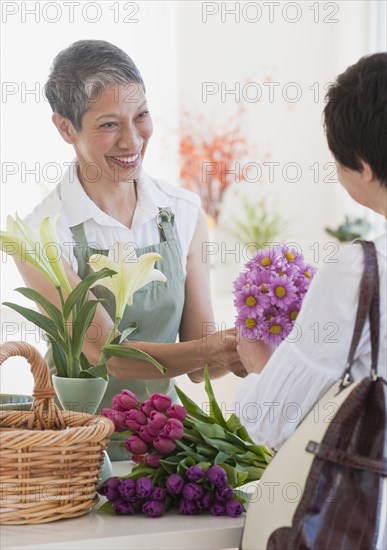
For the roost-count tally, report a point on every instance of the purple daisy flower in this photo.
(264, 259)
(275, 330)
(293, 311)
(282, 291)
(251, 301)
(249, 326)
(290, 255)
(243, 280)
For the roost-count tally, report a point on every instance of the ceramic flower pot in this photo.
(83, 395)
(79, 394)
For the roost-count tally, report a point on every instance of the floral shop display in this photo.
(187, 459)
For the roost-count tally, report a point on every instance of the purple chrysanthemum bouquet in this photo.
(185, 458)
(269, 294)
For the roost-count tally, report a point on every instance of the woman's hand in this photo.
(254, 354)
(220, 355)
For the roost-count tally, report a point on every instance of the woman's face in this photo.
(115, 132)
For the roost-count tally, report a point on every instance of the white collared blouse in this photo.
(72, 206)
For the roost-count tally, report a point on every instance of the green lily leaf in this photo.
(114, 350)
(59, 358)
(81, 325)
(216, 411)
(131, 328)
(80, 291)
(95, 372)
(37, 318)
(52, 311)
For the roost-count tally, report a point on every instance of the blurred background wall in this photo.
(255, 71)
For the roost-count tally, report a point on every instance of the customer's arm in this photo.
(313, 356)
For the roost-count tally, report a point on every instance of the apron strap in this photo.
(164, 222)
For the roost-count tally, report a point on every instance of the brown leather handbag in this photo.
(330, 475)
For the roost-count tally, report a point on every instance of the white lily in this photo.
(50, 242)
(22, 242)
(132, 273)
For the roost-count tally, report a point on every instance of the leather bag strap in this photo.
(368, 305)
(358, 462)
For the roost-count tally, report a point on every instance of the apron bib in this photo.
(157, 309)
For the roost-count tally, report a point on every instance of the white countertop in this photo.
(102, 531)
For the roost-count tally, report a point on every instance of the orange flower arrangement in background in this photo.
(211, 160)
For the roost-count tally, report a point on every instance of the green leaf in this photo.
(131, 328)
(221, 457)
(190, 452)
(59, 358)
(106, 508)
(191, 407)
(185, 464)
(52, 311)
(95, 372)
(221, 445)
(214, 407)
(211, 430)
(80, 291)
(205, 450)
(37, 318)
(114, 350)
(81, 325)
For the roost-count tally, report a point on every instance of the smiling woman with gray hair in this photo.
(99, 107)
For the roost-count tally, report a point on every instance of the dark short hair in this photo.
(355, 116)
(81, 71)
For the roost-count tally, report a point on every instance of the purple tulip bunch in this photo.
(155, 424)
(198, 490)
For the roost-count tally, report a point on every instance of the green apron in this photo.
(157, 309)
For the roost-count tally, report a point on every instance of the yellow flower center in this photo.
(293, 315)
(275, 329)
(289, 256)
(250, 323)
(250, 301)
(264, 288)
(280, 272)
(307, 274)
(266, 262)
(280, 291)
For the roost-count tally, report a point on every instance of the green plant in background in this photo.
(257, 225)
(352, 228)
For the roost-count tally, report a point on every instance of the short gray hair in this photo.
(81, 71)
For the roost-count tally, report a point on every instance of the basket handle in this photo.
(47, 414)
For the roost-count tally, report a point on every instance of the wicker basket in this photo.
(50, 460)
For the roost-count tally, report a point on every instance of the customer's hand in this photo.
(254, 354)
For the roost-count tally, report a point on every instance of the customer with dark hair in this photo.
(283, 386)
(99, 107)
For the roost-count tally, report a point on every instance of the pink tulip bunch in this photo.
(155, 424)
